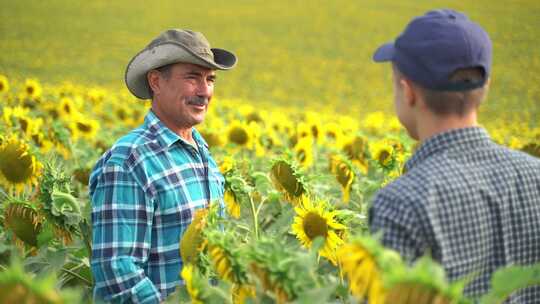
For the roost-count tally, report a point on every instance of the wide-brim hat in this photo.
(173, 46)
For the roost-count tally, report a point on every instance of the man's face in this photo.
(183, 97)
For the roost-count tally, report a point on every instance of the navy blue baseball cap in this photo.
(435, 45)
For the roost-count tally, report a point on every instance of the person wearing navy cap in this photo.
(473, 205)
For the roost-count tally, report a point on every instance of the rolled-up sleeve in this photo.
(121, 232)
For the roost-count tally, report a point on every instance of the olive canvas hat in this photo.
(172, 46)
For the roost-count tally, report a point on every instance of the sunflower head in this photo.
(226, 255)
(232, 204)
(212, 138)
(304, 151)
(32, 88)
(532, 148)
(66, 109)
(192, 242)
(240, 134)
(241, 293)
(18, 166)
(227, 164)
(4, 84)
(17, 286)
(383, 154)
(23, 219)
(288, 180)
(194, 283)
(355, 149)
(364, 261)
(82, 127)
(315, 220)
(424, 282)
(344, 173)
(284, 272)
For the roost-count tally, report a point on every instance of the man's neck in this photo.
(184, 132)
(431, 125)
(187, 135)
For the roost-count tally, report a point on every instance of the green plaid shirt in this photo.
(144, 192)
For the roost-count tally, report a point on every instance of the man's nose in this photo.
(205, 89)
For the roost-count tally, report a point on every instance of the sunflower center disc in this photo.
(238, 136)
(315, 225)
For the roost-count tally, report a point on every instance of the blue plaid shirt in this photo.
(470, 203)
(144, 192)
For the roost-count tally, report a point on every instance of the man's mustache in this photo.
(198, 101)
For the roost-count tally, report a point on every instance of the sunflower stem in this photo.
(254, 214)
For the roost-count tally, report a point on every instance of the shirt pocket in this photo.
(178, 190)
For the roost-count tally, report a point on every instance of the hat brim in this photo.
(384, 53)
(168, 53)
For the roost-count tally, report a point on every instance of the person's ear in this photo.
(409, 93)
(153, 81)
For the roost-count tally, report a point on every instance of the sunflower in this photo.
(224, 251)
(82, 127)
(226, 165)
(355, 149)
(532, 148)
(374, 122)
(212, 138)
(32, 88)
(23, 219)
(304, 151)
(4, 84)
(18, 117)
(274, 286)
(425, 282)
(190, 276)
(240, 135)
(221, 263)
(383, 153)
(288, 180)
(363, 273)
(312, 221)
(192, 241)
(332, 135)
(232, 204)
(18, 167)
(41, 142)
(344, 174)
(303, 130)
(242, 292)
(66, 109)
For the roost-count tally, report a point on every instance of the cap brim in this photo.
(384, 53)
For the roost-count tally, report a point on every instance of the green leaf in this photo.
(46, 235)
(318, 295)
(507, 280)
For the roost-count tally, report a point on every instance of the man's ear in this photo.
(409, 93)
(153, 80)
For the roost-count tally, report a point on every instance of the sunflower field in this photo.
(302, 130)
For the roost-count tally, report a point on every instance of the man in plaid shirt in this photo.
(146, 188)
(471, 204)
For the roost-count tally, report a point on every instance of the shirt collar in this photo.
(462, 139)
(165, 135)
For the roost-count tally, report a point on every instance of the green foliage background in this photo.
(290, 52)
